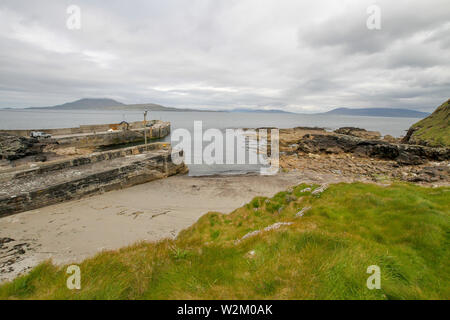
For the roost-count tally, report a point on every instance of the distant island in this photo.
(378, 112)
(244, 110)
(111, 104)
(85, 104)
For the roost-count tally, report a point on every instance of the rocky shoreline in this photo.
(359, 157)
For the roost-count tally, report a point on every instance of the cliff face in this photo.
(432, 131)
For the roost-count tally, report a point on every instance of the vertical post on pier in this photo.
(145, 128)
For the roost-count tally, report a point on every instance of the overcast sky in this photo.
(300, 56)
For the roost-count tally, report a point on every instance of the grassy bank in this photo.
(404, 229)
(434, 130)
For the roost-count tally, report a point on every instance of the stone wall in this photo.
(158, 131)
(46, 167)
(135, 170)
(78, 130)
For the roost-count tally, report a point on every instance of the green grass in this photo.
(434, 130)
(404, 229)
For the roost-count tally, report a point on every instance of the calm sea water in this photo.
(38, 119)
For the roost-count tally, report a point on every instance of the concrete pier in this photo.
(64, 180)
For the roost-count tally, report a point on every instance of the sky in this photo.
(298, 56)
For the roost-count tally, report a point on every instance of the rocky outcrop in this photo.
(358, 132)
(348, 167)
(14, 147)
(403, 154)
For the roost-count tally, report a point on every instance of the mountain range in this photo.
(378, 112)
(110, 104)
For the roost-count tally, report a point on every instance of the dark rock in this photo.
(358, 132)
(5, 240)
(409, 134)
(406, 158)
(403, 154)
(15, 147)
(310, 128)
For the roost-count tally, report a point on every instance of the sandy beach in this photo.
(72, 231)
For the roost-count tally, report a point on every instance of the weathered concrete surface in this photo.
(44, 186)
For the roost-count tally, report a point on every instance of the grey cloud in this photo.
(400, 20)
(222, 54)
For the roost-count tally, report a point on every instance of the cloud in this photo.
(292, 55)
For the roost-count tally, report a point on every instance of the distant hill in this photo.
(110, 104)
(86, 104)
(244, 110)
(432, 131)
(378, 112)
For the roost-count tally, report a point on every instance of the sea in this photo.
(49, 119)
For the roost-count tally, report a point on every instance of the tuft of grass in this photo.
(403, 228)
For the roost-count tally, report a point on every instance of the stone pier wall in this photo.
(81, 129)
(46, 167)
(132, 170)
(114, 138)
